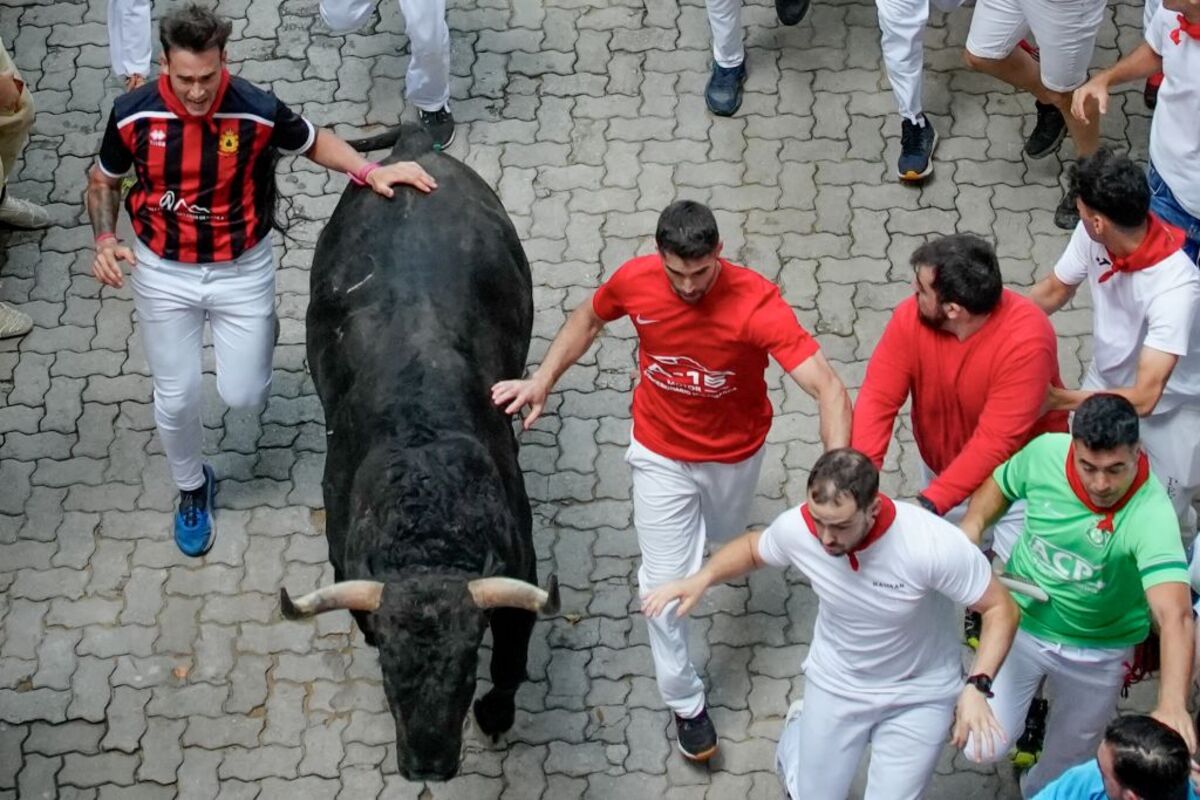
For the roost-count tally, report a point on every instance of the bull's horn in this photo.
(512, 593)
(350, 595)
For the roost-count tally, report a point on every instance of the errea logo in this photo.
(158, 137)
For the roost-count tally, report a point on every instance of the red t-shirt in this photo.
(701, 395)
(974, 403)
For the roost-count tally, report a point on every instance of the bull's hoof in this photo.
(494, 712)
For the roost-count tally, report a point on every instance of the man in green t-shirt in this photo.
(1100, 538)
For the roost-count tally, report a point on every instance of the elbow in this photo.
(1146, 402)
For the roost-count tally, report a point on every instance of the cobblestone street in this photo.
(130, 671)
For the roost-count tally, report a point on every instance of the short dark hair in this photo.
(844, 470)
(1105, 422)
(193, 28)
(1112, 184)
(687, 229)
(965, 271)
(1149, 758)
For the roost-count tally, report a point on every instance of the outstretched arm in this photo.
(103, 200)
(332, 152)
(1170, 604)
(572, 341)
(817, 378)
(974, 716)
(731, 561)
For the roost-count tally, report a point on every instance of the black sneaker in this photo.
(440, 125)
(1029, 747)
(791, 11)
(972, 629)
(723, 94)
(1048, 133)
(697, 736)
(916, 150)
(1066, 216)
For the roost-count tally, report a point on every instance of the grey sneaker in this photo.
(18, 213)
(440, 125)
(13, 322)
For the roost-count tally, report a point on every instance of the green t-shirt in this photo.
(1096, 580)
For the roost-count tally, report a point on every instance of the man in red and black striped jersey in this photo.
(203, 146)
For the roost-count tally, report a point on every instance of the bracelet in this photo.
(927, 504)
(359, 176)
(104, 237)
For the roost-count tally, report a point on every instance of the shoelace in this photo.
(910, 138)
(436, 116)
(191, 505)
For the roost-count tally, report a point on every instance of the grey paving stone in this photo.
(126, 719)
(37, 777)
(161, 750)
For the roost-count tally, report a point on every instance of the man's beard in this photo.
(935, 323)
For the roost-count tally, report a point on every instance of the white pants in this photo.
(427, 81)
(677, 506)
(1082, 685)
(1065, 31)
(172, 302)
(1004, 533)
(819, 750)
(902, 23)
(129, 36)
(725, 20)
(1173, 446)
(1148, 13)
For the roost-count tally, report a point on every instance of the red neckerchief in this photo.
(883, 522)
(1192, 29)
(176, 105)
(1106, 524)
(1161, 240)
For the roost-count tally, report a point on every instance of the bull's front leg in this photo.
(511, 629)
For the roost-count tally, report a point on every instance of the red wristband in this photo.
(359, 176)
(104, 237)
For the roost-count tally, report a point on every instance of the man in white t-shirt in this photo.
(885, 665)
(1146, 321)
(1172, 47)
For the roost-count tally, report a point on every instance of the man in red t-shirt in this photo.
(203, 146)
(977, 360)
(700, 414)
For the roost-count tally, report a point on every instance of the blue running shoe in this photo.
(195, 530)
(917, 142)
(723, 95)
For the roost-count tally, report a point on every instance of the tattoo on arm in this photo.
(103, 203)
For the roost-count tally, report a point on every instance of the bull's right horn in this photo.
(512, 593)
(350, 595)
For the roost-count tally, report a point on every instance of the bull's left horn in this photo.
(512, 593)
(350, 595)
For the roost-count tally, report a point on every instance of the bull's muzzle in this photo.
(367, 595)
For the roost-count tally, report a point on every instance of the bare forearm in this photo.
(1141, 63)
(576, 336)
(996, 637)
(987, 505)
(1142, 399)
(1049, 295)
(734, 559)
(1176, 646)
(334, 153)
(103, 203)
(836, 415)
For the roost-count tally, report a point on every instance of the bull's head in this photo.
(428, 628)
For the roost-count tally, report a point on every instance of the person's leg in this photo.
(905, 747)
(1066, 30)
(14, 125)
(1083, 687)
(902, 29)
(427, 82)
(1164, 203)
(725, 21)
(1013, 690)
(129, 34)
(726, 494)
(671, 533)
(344, 16)
(241, 311)
(1170, 442)
(171, 321)
(819, 750)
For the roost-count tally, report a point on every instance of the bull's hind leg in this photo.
(511, 628)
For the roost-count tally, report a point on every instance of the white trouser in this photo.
(819, 750)
(1082, 685)
(129, 36)
(677, 506)
(172, 301)
(1004, 533)
(1065, 31)
(1148, 13)
(725, 20)
(902, 23)
(1171, 443)
(427, 81)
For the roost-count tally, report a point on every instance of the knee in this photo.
(172, 407)
(974, 62)
(245, 395)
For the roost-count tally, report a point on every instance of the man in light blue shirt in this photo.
(1139, 759)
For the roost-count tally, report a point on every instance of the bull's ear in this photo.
(350, 595)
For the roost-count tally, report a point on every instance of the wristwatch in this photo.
(983, 683)
(927, 504)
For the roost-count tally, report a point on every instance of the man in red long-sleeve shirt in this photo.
(977, 360)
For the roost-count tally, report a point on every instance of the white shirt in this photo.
(1175, 128)
(1154, 307)
(892, 629)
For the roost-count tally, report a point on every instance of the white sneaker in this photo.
(18, 213)
(13, 322)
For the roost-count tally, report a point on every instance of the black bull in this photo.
(419, 303)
